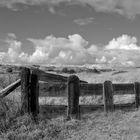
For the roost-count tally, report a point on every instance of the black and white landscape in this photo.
(97, 41)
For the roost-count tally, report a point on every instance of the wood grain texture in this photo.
(52, 89)
(123, 88)
(55, 89)
(137, 93)
(91, 89)
(45, 76)
(25, 90)
(108, 96)
(4, 92)
(73, 97)
(34, 94)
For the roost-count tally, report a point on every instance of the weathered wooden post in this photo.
(108, 96)
(25, 90)
(34, 95)
(137, 94)
(73, 97)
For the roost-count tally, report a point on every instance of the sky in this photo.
(70, 32)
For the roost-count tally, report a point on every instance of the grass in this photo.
(7, 79)
(130, 76)
(118, 125)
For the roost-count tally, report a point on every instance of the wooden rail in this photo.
(86, 89)
(10, 88)
(51, 77)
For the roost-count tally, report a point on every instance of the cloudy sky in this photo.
(70, 32)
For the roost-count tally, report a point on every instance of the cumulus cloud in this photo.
(123, 51)
(14, 53)
(129, 8)
(84, 21)
(103, 60)
(92, 49)
(73, 50)
(124, 42)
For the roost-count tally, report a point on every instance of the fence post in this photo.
(34, 95)
(73, 97)
(137, 94)
(25, 82)
(108, 96)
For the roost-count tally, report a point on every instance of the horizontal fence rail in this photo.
(123, 88)
(51, 77)
(60, 89)
(10, 88)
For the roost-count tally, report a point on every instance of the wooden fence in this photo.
(36, 83)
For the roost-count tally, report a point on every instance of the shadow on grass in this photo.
(54, 111)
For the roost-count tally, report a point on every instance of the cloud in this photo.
(129, 8)
(11, 36)
(124, 42)
(92, 49)
(101, 60)
(84, 21)
(123, 51)
(14, 53)
(73, 50)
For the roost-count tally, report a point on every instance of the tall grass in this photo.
(9, 106)
(7, 79)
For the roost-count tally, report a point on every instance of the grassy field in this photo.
(96, 125)
(120, 125)
(128, 76)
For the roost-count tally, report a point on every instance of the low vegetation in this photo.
(69, 71)
(118, 72)
(119, 125)
(96, 125)
(128, 76)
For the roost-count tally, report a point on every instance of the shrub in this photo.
(72, 71)
(65, 70)
(50, 69)
(9, 110)
(9, 70)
